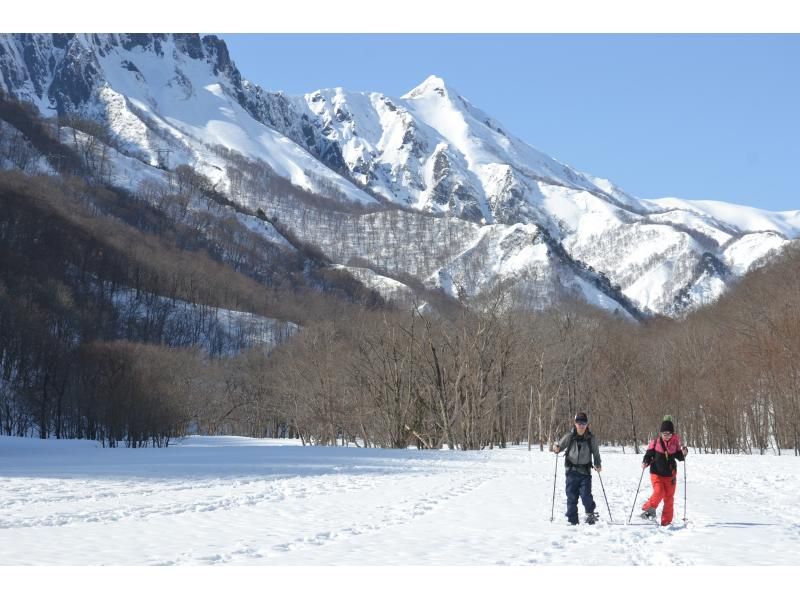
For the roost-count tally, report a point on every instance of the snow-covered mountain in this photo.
(520, 214)
(434, 151)
(162, 92)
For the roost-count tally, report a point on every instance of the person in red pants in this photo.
(663, 454)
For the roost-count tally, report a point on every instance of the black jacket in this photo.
(662, 463)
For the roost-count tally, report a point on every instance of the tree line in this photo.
(489, 374)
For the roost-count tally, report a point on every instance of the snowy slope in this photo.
(433, 150)
(388, 288)
(743, 252)
(223, 332)
(17, 153)
(236, 501)
(121, 169)
(745, 218)
(162, 92)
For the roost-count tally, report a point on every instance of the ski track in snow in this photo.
(237, 501)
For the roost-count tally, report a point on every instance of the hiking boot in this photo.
(649, 513)
(591, 518)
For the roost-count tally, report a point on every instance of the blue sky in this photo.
(691, 116)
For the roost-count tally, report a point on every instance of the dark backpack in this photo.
(587, 437)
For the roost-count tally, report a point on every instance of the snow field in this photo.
(255, 502)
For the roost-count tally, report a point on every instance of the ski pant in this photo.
(663, 489)
(578, 485)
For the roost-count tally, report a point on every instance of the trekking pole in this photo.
(604, 496)
(684, 490)
(637, 495)
(553, 509)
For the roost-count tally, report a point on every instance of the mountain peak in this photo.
(431, 85)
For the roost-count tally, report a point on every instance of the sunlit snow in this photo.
(227, 500)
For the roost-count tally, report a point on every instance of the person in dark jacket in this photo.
(663, 454)
(581, 448)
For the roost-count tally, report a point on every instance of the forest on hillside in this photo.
(112, 328)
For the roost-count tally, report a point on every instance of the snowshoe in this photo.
(591, 518)
(649, 514)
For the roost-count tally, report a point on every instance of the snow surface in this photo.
(230, 500)
(741, 254)
(388, 288)
(596, 297)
